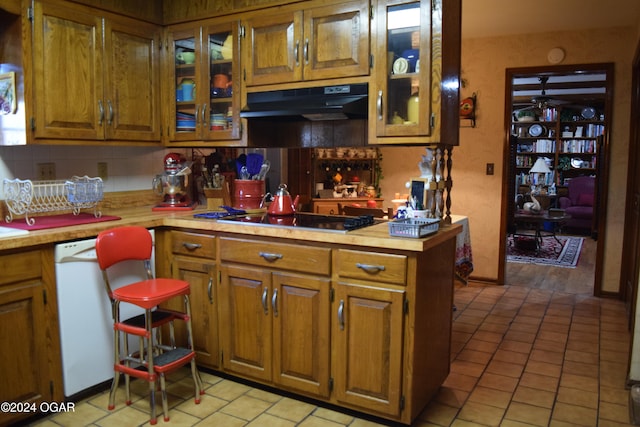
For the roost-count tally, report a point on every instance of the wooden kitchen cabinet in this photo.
(391, 329)
(30, 365)
(297, 43)
(193, 260)
(276, 317)
(96, 75)
(367, 336)
(368, 322)
(413, 97)
(203, 64)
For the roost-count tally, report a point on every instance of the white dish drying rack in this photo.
(26, 197)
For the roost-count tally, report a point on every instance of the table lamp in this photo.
(539, 168)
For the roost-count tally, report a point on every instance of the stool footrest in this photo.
(172, 359)
(158, 317)
(176, 314)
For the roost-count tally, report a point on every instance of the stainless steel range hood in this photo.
(316, 103)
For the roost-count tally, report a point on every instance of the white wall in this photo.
(129, 168)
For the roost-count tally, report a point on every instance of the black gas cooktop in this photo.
(302, 220)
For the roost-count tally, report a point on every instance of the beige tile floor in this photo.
(520, 357)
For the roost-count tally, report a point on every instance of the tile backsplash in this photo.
(129, 168)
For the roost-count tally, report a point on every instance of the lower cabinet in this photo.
(368, 337)
(276, 321)
(368, 330)
(194, 261)
(28, 334)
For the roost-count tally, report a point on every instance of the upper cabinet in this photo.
(292, 44)
(95, 77)
(414, 89)
(204, 83)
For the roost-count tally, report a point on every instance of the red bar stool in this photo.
(156, 359)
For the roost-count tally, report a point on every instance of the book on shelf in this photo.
(577, 146)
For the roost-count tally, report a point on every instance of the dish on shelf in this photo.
(400, 66)
(579, 163)
(412, 56)
(588, 113)
(536, 130)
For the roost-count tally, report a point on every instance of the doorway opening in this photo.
(557, 123)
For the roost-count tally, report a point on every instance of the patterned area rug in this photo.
(522, 249)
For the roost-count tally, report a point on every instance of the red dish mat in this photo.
(54, 221)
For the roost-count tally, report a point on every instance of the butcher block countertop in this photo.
(375, 236)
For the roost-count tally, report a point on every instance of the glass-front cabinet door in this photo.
(404, 96)
(206, 84)
(223, 78)
(185, 59)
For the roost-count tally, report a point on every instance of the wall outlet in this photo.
(46, 171)
(490, 167)
(103, 171)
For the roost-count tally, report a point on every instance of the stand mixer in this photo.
(173, 185)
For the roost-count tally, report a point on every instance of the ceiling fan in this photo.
(543, 101)
(539, 102)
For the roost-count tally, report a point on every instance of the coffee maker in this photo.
(173, 184)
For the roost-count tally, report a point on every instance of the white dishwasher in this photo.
(84, 312)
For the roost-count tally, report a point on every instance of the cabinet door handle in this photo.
(197, 114)
(101, 110)
(379, 105)
(274, 302)
(305, 51)
(270, 256)
(204, 115)
(210, 290)
(341, 315)
(296, 52)
(370, 268)
(110, 106)
(265, 306)
(191, 246)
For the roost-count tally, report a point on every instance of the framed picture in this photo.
(420, 190)
(8, 103)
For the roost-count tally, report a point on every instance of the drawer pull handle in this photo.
(274, 302)
(341, 315)
(265, 306)
(370, 268)
(270, 256)
(210, 289)
(192, 246)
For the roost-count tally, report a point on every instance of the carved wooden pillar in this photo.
(447, 163)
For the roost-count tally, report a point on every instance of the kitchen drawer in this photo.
(20, 266)
(387, 268)
(282, 256)
(192, 244)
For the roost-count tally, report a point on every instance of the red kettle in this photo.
(282, 203)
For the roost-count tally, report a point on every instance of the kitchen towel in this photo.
(55, 221)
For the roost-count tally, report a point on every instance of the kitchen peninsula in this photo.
(359, 319)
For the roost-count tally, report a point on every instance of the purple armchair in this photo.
(580, 202)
